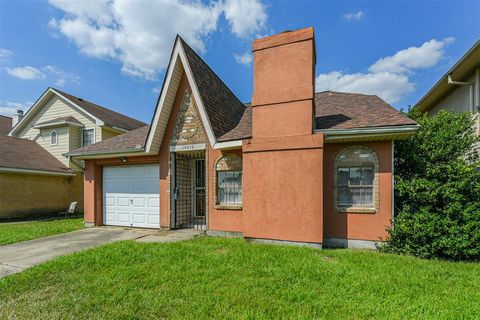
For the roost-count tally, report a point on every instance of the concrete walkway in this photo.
(22, 255)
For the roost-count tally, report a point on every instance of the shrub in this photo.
(437, 190)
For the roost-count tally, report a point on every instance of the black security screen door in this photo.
(189, 190)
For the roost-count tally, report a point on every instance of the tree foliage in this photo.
(437, 190)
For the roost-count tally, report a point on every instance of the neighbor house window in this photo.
(355, 184)
(53, 138)
(88, 137)
(229, 180)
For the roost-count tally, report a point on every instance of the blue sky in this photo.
(114, 52)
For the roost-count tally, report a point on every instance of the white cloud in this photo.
(388, 77)
(246, 17)
(245, 58)
(5, 53)
(389, 86)
(354, 16)
(156, 90)
(425, 56)
(26, 73)
(139, 34)
(62, 77)
(9, 108)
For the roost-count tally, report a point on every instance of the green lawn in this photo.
(229, 278)
(16, 232)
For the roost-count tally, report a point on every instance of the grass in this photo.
(16, 232)
(229, 278)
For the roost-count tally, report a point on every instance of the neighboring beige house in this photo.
(459, 89)
(58, 123)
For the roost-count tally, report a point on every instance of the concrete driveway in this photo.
(20, 256)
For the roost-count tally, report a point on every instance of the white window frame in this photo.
(94, 135)
(56, 138)
(240, 172)
(352, 187)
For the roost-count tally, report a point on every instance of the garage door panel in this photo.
(131, 196)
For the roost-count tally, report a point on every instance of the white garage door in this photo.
(131, 196)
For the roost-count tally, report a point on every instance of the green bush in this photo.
(437, 190)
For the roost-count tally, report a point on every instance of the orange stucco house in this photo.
(293, 166)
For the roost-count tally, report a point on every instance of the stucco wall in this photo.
(24, 195)
(358, 226)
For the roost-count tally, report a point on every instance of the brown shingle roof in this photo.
(225, 111)
(108, 116)
(5, 125)
(132, 140)
(339, 110)
(60, 120)
(19, 153)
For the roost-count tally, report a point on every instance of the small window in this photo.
(355, 183)
(53, 138)
(88, 137)
(229, 180)
(355, 186)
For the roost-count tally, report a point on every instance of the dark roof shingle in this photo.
(17, 153)
(339, 110)
(225, 111)
(134, 139)
(110, 117)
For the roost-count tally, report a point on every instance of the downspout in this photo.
(460, 83)
(477, 97)
(75, 163)
(393, 183)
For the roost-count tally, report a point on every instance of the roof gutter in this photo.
(106, 153)
(333, 134)
(33, 171)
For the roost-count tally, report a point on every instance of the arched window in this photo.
(53, 138)
(356, 179)
(228, 173)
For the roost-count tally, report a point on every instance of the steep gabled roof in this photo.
(225, 111)
(21, 154)
(223, 115)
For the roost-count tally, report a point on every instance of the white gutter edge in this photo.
(228, 144)
(366, 131)
(17, 170)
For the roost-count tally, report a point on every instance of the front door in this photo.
(189, 190)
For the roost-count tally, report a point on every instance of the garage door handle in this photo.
(131, 201)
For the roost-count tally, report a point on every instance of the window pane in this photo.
(229, 187)
(343, 196)
(355, 176)
(343, 176)
(88, 137)
(367, 176)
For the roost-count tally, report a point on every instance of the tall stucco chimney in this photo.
(283, 84)
(283, 162)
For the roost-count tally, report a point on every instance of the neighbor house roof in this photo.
(131, 141)
(341, 110)
(109, 117)
(5, 125)
(22, 155)
(101, 115)
(463, 68)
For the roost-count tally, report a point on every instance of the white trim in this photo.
(94, 136)
(33, 171)
(40, 102)
(179, 53)
(56, 137)
(228, 144)
(188, 147)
